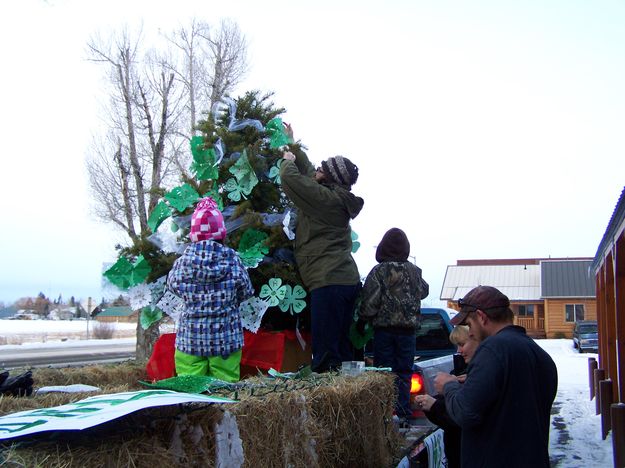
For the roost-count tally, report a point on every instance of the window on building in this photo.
(526, 310)
(574, 312)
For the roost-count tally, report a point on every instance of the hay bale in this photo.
(355, 414)
(127, 373)
(323, 420)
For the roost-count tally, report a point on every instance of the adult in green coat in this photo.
(323, 248)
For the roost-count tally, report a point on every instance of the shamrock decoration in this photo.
(244, 179)
(292, 301)
(140, 296)
(203, 165)
(171, 304)
(182, 197)
(273, 291)
(159, 214)
(253, 247)
(274, 172)
(124, 274)
(277, 136)
(149, 315)
(355, 243)
(235, 191)
(252, 312)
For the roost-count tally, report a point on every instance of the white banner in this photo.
(93, 411)
(436, 449)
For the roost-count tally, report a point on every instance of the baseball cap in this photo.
(481, 297)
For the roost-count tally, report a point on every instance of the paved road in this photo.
(60, 355)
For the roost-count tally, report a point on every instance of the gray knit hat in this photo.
(341, 170)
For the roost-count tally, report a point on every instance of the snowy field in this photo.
(15, 332)
(575, 438)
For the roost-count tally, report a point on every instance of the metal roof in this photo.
(567, 279)
(518, 282)
(119, 311)
(614, 229)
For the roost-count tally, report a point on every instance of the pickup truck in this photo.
(435, 353)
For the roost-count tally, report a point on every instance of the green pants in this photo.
(227, 369)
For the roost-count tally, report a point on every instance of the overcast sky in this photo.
(484, 129)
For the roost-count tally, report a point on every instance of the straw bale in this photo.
(323, 420)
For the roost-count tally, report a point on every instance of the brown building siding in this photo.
(555, 315)
(113, 319)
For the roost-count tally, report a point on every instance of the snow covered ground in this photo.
(32, 331)
(575, 439)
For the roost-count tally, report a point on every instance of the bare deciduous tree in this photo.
(154, 100)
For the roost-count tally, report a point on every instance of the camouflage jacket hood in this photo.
(391, 296)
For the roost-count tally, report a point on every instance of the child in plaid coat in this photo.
(212, 281)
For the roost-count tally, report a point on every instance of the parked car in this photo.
(585, 336)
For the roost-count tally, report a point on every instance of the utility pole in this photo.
(88, 314)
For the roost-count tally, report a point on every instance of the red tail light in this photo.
(416, 383)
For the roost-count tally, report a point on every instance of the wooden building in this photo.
(609, 269)
(115, 314)
(547, 295)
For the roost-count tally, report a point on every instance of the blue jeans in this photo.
(397, 352)
(332, 310)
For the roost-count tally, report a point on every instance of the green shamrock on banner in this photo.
(252, 247)
(149, 316)
(277, 135)
(273, 292)
(203, 165)
(159, 214)
(124, 274)
(292, 301)
(182, 197)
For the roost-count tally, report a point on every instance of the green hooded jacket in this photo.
(323, 243)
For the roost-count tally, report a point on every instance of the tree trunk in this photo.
(146, 340)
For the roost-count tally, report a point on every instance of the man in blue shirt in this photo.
(504, 406)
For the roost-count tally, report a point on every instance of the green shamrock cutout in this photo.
(203, 165)
(124, 274)
(252, 247)
(149, 316)
(243, 171)
(274, 172)
(292, 301)
(277, 135)
(159, 214)
(182, 197)
(355, 243)
(235, 191)
(273, 292)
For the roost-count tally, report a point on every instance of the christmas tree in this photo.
(236, 161)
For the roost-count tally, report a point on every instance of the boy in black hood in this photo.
(391, 302)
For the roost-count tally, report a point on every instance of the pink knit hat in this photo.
(207, 222)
